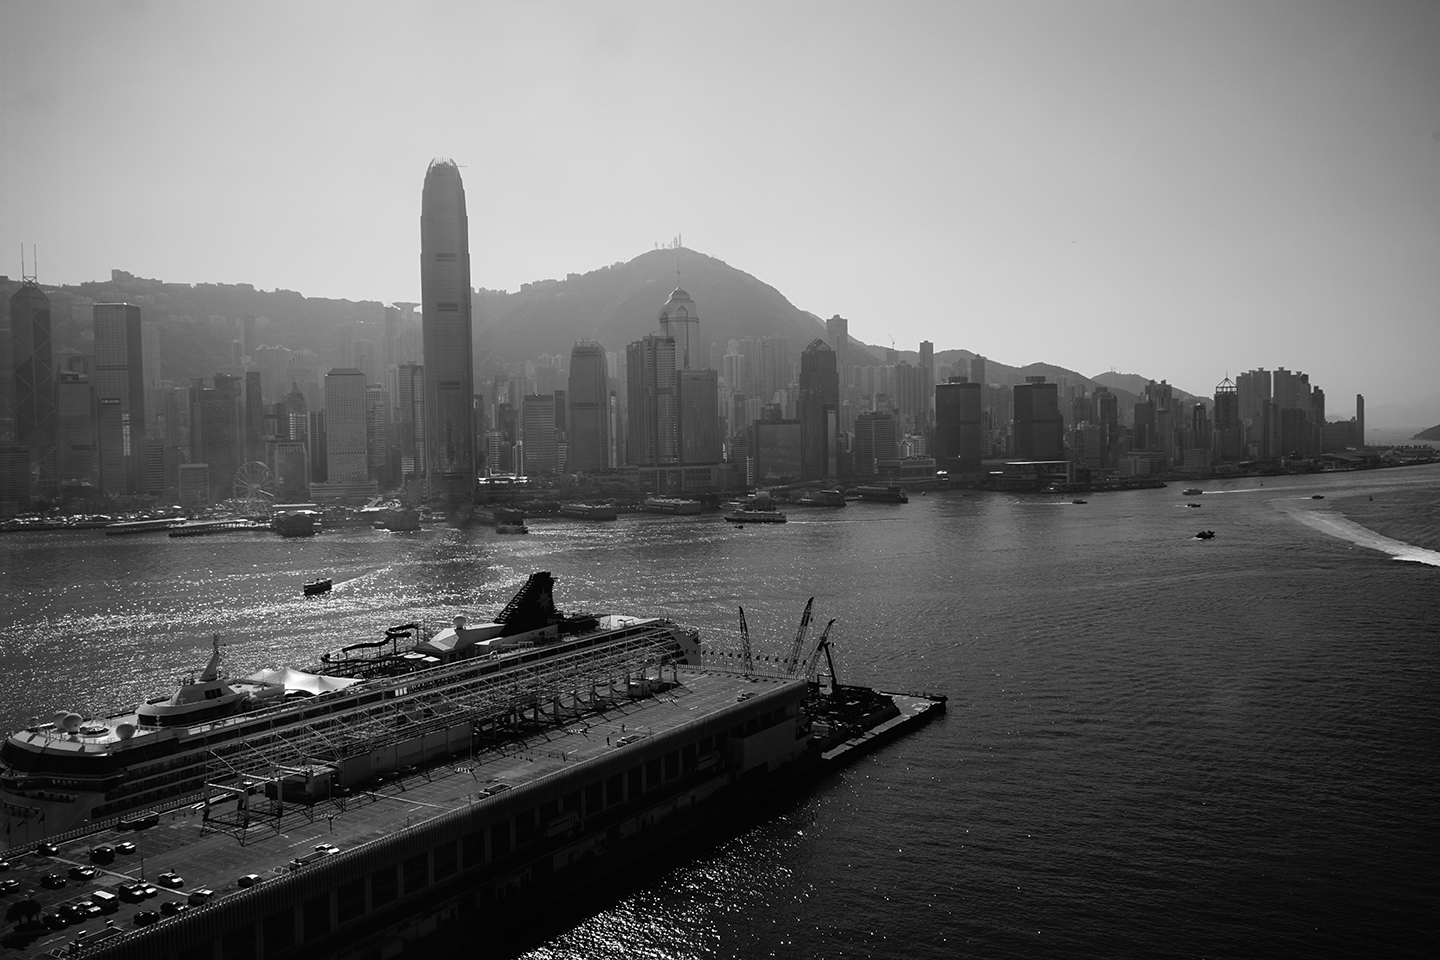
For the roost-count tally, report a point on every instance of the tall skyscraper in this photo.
(679, 320)
(1360, 419)
(589, 420)
(76, 428)
(818, 408)
(347, 448)
(651, 438)
(927, 383)
(699, 432)
(120, 376)
(837, 332)
(537, 431)
(31, 369)
(410, 397)
(1039, 430)
(959, 428)
(449, 350)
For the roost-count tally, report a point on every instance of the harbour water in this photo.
(1155, 745)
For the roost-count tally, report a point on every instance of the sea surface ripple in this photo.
(1155, 745)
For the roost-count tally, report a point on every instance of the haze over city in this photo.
(1177, 191)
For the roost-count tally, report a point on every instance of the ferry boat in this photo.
(881, 493)
(588, 511)
(759, 509)
(70, 771)
(1191, 492)
(675, 505)
(821, 498)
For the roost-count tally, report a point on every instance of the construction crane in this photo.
(794, 660)
(745, 642)
(813, 660)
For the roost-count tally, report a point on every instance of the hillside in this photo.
(620, 303)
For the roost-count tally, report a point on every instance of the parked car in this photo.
(52, 880)
(7, 885)
(172, 907)
(48, 849)
(125, 847)
(82, 873)
(171, 879)
(4, 865)
(54, 921)
(198, 898)
(102, 854)
(249, 880)
(145, 917)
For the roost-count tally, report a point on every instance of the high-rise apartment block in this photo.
(27, 411)
(449, 351)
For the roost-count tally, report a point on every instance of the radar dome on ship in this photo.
(71, 723)
(58, 717)
(124, 730)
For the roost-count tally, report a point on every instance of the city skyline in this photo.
(1099, 187)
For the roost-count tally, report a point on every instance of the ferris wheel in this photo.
(255, 487)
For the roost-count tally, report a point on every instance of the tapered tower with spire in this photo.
(446, 331)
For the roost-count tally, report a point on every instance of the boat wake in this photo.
(1337, 526)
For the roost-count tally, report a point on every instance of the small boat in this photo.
(878, 493)
(1192, 504)
(1079, 501)
(588, 511)
(1192, 491)
(1317, 496)
(1205, 535)
(317, 587)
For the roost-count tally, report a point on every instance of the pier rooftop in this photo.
(215, 853)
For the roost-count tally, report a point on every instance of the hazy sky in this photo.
(1175, 189)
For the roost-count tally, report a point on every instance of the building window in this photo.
(279, 930)
(448, 306)
(445, 858)
(317, 917)
(417, 873)
(445, 258)
(382, 886)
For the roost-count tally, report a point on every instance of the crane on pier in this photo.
(794, 660)
(813, 661)
(745, 642)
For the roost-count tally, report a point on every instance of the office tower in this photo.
(297, 415)
(391, 335)
(445, 322)
(120, 376)
(699, 428)
(1360, 419)
(589, 398)
(247, 335)
(1229, 433)
(410, 394)
(653, 404)
(1161, 397)
(379, 434)
(818, 408)
(679, 321)
(774, 366)
(927, 383)
(959, 427)
(1039, 431)
(150, 353)
(318, 448)
(219, 440)
(774, 449)
(290, 464)
(75, 409)
(877, 437)
(254, 417)
(31, 375)
(537, 433)
(346, 443)
(1107, 416)
(906, 384)
(837, 332)
(977, 370)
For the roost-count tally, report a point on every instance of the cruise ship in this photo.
(411, 697)
(488, 795)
